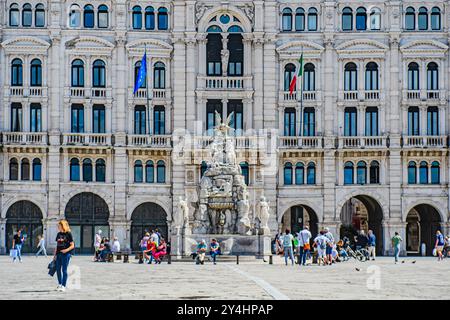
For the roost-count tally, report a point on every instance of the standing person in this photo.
(154, 237)
(396, 242)
(330, 245)
(287, 247)
(215, 249)
(201, 251)
(17, 245)
(144, 240)
(63, 253)
(41, 246)
(116, 245)
(321, 242)
(361, 240)
(304, 245)
(439, 245)
(97, 243)
(371, 244)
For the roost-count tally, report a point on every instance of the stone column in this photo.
(120, 113)
(120, 228)
(258, 81)
(3, 248)
(190, 80)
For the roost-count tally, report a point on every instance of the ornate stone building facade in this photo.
(363, 144)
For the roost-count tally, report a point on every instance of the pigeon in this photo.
(403, 261)
(357, 269)
(414, 261)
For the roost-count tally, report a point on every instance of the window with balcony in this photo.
(435, 172)
(13, 169)
(287, 19)
(375, 19)
(75, 16)
(236, 60)
(16, 117)
(102, 16)
(149, 172)
(149, 18)
(159, 120)
(361, 19)
(35, 117)
(347, 19)
(98, 118)
(311, 173)
(25, 169)
(372, 76)
(410, 19)
(348, 173)
(138, 171)
(433, 121)
(88, 16)
(312, 19)
(74, 169)
(100, 170)
(77, 73)
(213, 54)
(163, 19)
(361, 172)
(435, 18)
(237, 120)
(137, 17)
(160, 172)
(99, 74)
(309, 77)
(413, 76)
(16, 72)
(432, 76)
(37, 170)
(374, 172)
(159, 76)
(350, 122)
(87, 170)
(299, 173)
(27, 15)
(289, 122)
(245, 172)
(39, 15)
(372, 121)
(412, 173)
(350, 77)
(14, 15)
(300, 19)
(287, 173)
(289, 73)
(309, 122)
(137, 66)
(422, 20)
(212, 106)
(413, 121)
(140, 119)
(77, 118)
(36, 73)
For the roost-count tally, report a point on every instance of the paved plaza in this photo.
(425, 279)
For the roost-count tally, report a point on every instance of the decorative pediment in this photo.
(361, 48)
(154, 48)
(25, 45)
(85, 45)
(424, 48)
(293, 50)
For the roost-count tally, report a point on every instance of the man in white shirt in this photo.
(154, 238)
(287, 246)
(330, 244)
(321, 242)
(116, 245)
(304, 247)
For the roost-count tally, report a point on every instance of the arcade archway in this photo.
(422, 223)
(87, 213)
(296, 217)
(147, 216)
(362, 213)
(26, 216)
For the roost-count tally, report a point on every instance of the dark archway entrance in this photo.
(422, 223)
(147, 216)
(362, 213)
(26, 216)
(296, 217)
(87, 213)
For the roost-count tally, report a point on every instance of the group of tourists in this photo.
(103, 247)
(201, 250)
(18, 242)
(154, 247)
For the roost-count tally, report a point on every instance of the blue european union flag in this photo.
(142, 74)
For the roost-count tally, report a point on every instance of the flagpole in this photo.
(301, 96)
(147, 85)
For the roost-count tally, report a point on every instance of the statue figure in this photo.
(225, 56)
(183, 213)
(244, 225)
(263, 215)
(200, 11)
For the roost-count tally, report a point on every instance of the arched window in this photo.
(312, 19)
(423, 172)
(374, 172)
(289, 72)
(287, 173)
(375, 19)
(16, 72)
(37, 169)
(163, 19)
(413, 76)
(361, 19)
(213, 54)
(350, 77)
(300, 19)
(102, 16)
(160, 172)
(435, 18)
(74, 169)
(372, 76)
(27, 15)
(25, 169)
(410, 19)
(39, 15)
(413, 121)
(36, 73)
(412, 173)
(433, 121)
(77, 70)
(361, 173)
(350, 122)
(347, 19)
(435, 172)
(311, 173)
(348, 173)
(422, 20)
(75, 16)
(98, 74)
(309, 77)
(159, 76)
(13, 169)
(203, 168)
(137, 66)
(287, 19)
(14, 15)
(88, 16)
(149, 18)
(236, 60)
(299, 173)
(149, 172)
(245, 172)
(87, 170)
(432, 76)
(138, 176)
(100, 170)
(137, 17)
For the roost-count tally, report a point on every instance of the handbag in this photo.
(434, 252)
(52, 268)
(13, 253)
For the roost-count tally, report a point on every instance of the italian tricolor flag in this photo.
(293, 83)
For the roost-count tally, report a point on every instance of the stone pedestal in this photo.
(121, 230)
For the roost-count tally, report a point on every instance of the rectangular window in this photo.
(413, 121)
(350, 122)
(159, 116)
(77, 123)
(433, 121)
(237, 121)
(289, 122)
(309, 122)
(35, 117)
(213, 55)
(371, 121)
(98, 119)
(211, 107)
(16, 117)
(140, 120)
